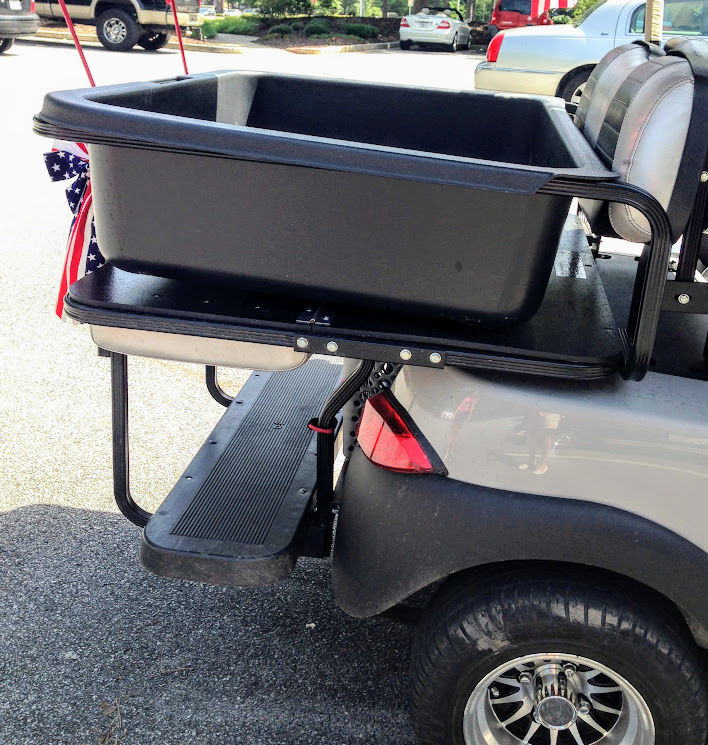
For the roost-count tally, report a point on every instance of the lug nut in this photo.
(569, 669)
(584, 706)
(525, 678)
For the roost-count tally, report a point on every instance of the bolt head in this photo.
(302, 343)
(684, 298)
(525, 678)
(704, 177)
(569, 669)
(435, 358)
(332, 346)
(583, 708)
(406, 354)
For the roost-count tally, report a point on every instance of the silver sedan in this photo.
(435, 27)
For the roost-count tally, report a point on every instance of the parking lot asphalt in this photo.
(95, 650)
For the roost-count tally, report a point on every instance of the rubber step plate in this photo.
(233, 516)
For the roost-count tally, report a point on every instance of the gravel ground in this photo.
(95, 650)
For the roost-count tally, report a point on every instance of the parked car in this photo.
(207, 10)
(17, 18)
(435, 27)
(557, 60)
(233, 12)
(514, 13)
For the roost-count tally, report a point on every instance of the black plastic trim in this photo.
(399, 533)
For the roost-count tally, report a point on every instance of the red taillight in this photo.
(493, 48)
(404, 23)
(493, 19)
(388, 440)
(444, 24)
(32, 7)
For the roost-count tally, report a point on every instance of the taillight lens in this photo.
(404, 23)
(444, 24)
(387, 438)
(493, 19)
(493, 48)
(32, 7)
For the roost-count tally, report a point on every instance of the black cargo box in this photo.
(414, 200)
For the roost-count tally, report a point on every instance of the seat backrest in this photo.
(609, 73)
(650, 135)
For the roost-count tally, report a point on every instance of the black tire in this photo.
(152, 42)
(5, 44)
(117, 30)
(406, 45)
(468, 46)
(452, 46)
(474, 628)
(571, 90)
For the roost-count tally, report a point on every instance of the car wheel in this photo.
(152, 42)
(572, 89)
(468, 45)
(554, 661)
(5, 44)
(453, 44)
(406, 45)
(117, 30)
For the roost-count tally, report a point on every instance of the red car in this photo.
(513, 13)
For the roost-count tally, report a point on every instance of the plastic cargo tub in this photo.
(383, 196)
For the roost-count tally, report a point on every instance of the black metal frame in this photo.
(212, 384)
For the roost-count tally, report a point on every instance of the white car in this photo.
(435, 27)
(557, 60)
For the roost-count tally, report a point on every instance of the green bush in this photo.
(281, 29)
(318, 27)
(229, 25)
(297, 26)
(238, 25)
(562, 19)
(362, 30)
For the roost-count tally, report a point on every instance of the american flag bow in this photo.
(69, 160)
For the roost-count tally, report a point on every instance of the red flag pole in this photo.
(173, 4)
(77, 43)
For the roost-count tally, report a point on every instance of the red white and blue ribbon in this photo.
(542, 6)
(69, 160)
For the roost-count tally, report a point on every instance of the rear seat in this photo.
(649, 133)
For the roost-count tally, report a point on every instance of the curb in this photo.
(48, 34)
(345, 48)
(51, 35)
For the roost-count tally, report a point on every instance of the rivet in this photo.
(332, 346)
(684, 299)
(406, 354)
(704, 177)
(302, 343)
(435, 358)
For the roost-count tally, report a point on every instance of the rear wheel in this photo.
(519, 660)
(468, 45)
(5, 44)
(152, 42)
(572, 89)
(453, 44)
(117, 30)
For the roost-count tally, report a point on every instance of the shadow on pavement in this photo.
(98, 651)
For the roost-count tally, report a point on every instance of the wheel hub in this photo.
(555, 698)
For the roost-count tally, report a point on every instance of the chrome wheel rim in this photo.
(577, 94)
(115, 30)
(556, 699)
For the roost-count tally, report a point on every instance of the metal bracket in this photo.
(121, 450)
(685, 297)
(318, 317)
(212, 384)
(358, 350)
